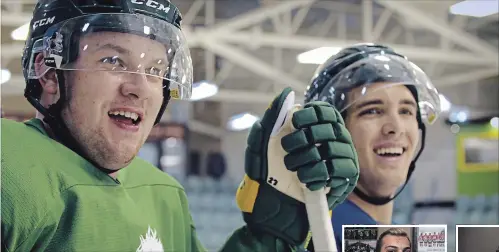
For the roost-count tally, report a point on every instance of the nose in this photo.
(134, 85)
(393, 125)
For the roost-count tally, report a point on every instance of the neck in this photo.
(381, 214)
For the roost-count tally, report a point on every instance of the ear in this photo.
(47, 76)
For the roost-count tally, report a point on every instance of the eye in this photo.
(114, 61)
(371, 111)
(406, 111)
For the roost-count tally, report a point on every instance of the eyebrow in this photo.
(114, 47)
(368, 103)
(380, 102)
(395, 247)
(408, 102)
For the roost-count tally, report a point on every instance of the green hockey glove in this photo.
(289, 149)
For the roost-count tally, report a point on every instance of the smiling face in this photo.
(385, 133)
(111, 113)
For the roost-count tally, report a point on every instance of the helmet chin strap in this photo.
(379, 201)
(52, 116)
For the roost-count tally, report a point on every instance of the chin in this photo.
(126, 157)
(116, 158)
(116, 164)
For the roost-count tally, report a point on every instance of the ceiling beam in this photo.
(259, 15)
(381, 24)
(253, 64)
(367, 20)
(455, 35)
(304, 43)
(343, 7)
(465, 78)
(193, 11)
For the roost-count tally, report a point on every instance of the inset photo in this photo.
(395, 238)
(471, 238)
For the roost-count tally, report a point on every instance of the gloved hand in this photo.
(289, 149)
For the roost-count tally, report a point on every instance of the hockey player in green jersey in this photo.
(100, 74)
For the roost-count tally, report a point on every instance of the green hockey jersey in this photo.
(54, 200)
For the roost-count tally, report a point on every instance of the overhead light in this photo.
(445, 104)
(317, 56)
(5, 75)
(475, 8)
(20, 33)
(241, 122)
(459, 114)
(462, 116)
(203, 90)
(495, 122)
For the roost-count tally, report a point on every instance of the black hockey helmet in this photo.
(362, 65)
(58, 26)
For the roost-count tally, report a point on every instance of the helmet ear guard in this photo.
(166, 100)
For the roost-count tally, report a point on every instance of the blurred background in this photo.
(246, 51)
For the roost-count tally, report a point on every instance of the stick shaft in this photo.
(320, 222)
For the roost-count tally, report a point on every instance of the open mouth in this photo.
(125, 117)
(390, 152)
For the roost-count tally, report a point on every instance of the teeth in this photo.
(393, 150)
(127, 114)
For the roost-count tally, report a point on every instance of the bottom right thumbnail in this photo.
(483, 238)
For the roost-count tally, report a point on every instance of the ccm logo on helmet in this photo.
(43, 21)
(153, 4)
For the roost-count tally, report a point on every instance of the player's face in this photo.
(111, 113)
(385, 133)
(393, 243)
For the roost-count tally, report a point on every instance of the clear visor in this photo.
(125, 45)
(377, 72)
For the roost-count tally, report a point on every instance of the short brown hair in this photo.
(392, 231)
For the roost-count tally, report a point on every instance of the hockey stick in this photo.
(320, 223)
